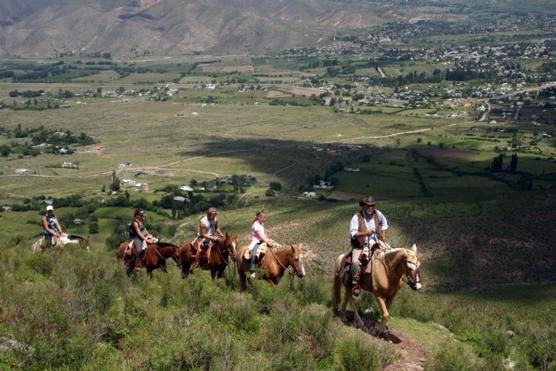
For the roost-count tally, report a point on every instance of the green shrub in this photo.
(357, 351)
(40, 263)
(452, 357)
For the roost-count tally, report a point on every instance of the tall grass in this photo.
(79, 311)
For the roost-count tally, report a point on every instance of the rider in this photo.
(51, 225)
(208, 231)
(140, 236)
(366, 229)
(258, 237)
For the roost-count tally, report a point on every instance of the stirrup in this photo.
(356, 289)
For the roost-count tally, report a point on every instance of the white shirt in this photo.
(257, 229)
(210, 226)
(370, 223)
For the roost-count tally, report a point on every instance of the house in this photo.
(67, 165)
(78, 221)
(186, 188)
(6, 208)
(353, 170)
(310, 194)
(22, 171)
(323, 184)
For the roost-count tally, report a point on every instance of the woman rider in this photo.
(258, 237)
(140, 237)
(51, 225)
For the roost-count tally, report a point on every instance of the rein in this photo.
(227, 261)
(158, 252)
(276, 258)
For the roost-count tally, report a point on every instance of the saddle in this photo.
(199, 249)
(258, 255)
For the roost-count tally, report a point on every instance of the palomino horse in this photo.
(275, 262)
(62, 241)
(155, 256)
(388, 270)
(219, 256)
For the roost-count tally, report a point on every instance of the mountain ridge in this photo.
(168, 27)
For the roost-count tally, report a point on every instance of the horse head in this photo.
(295, 257)
(230, 244)
(411, 268)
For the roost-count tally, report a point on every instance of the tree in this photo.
(115, 186)
(275, 186)
(93, 224)
(513, 163)
(5, 150)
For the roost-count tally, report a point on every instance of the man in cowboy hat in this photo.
(366, 229)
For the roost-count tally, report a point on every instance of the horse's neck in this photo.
(279, 258)
(393, 262)
(165, 251)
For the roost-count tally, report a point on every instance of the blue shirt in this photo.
(370, 223)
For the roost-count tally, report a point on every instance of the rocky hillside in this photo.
(140, 27)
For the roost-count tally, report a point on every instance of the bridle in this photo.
(407, 273)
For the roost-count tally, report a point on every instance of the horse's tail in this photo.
(337, 286)
(37, 245)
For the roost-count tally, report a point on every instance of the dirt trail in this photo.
(412, 354)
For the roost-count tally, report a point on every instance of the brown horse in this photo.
(218, 259)
(274, 263)
(388, 271)
(155, 256)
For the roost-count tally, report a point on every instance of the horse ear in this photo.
(226, 234)
(293, 248)
(414, 248)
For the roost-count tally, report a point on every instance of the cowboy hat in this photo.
(367, 201)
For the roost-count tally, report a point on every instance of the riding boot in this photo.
(140, 261)
(356, 283)
(198, 258)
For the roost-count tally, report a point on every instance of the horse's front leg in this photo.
(345, 301)
(356, 312)
(385, 315)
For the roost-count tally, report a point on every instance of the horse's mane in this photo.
(393, 253)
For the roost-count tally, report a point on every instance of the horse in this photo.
(155, 256)
(64, 240)
(219, 256)
(274, 263)
(388, 270)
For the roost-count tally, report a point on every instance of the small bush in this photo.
(452, 357)
(356, 351)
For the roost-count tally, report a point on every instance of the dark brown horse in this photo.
(275, 262)
(155, 256)
(217, 260)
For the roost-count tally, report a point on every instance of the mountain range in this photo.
(39, 28)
